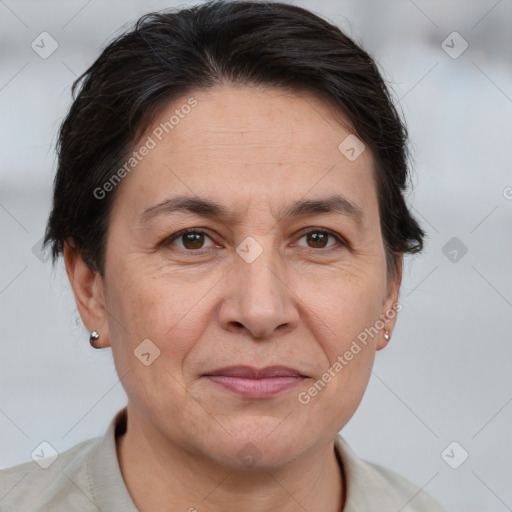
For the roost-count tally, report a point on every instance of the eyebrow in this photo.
(212, 209)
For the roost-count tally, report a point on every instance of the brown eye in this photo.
(319, 239)
(189, 240)
(192, 240)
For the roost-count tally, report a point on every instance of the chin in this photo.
(264, 442)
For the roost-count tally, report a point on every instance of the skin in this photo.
(300, 303)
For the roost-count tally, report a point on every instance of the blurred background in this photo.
(438, 408)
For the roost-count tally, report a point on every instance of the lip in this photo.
(249, 372)
(251, 382)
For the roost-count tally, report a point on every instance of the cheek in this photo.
(151, 305)
(341, 309)
(336, 394)
(341, 315)
(169, 314)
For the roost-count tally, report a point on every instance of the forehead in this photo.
(246, 144)
(273, 122)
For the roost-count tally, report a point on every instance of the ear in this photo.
(391, 306)
(87, 286)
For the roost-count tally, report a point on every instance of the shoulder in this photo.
(85, 478)
(61, 484)
(405, 492)
(374, 487)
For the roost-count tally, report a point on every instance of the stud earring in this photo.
(387, 335)
(93, 339)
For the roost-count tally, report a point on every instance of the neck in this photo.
(158, 473)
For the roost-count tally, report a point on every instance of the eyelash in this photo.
(169, 240)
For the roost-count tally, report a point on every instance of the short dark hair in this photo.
(172, 52)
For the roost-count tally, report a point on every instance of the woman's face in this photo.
(258, 283)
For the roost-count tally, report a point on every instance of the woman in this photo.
(229, 205)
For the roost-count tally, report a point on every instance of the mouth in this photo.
(256, 383)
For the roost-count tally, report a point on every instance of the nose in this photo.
(258, 299)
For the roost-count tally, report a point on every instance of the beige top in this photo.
(87, 478)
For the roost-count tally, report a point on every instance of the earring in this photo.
(387, 335)
(93, 339)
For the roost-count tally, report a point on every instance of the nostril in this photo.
(238, 324)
